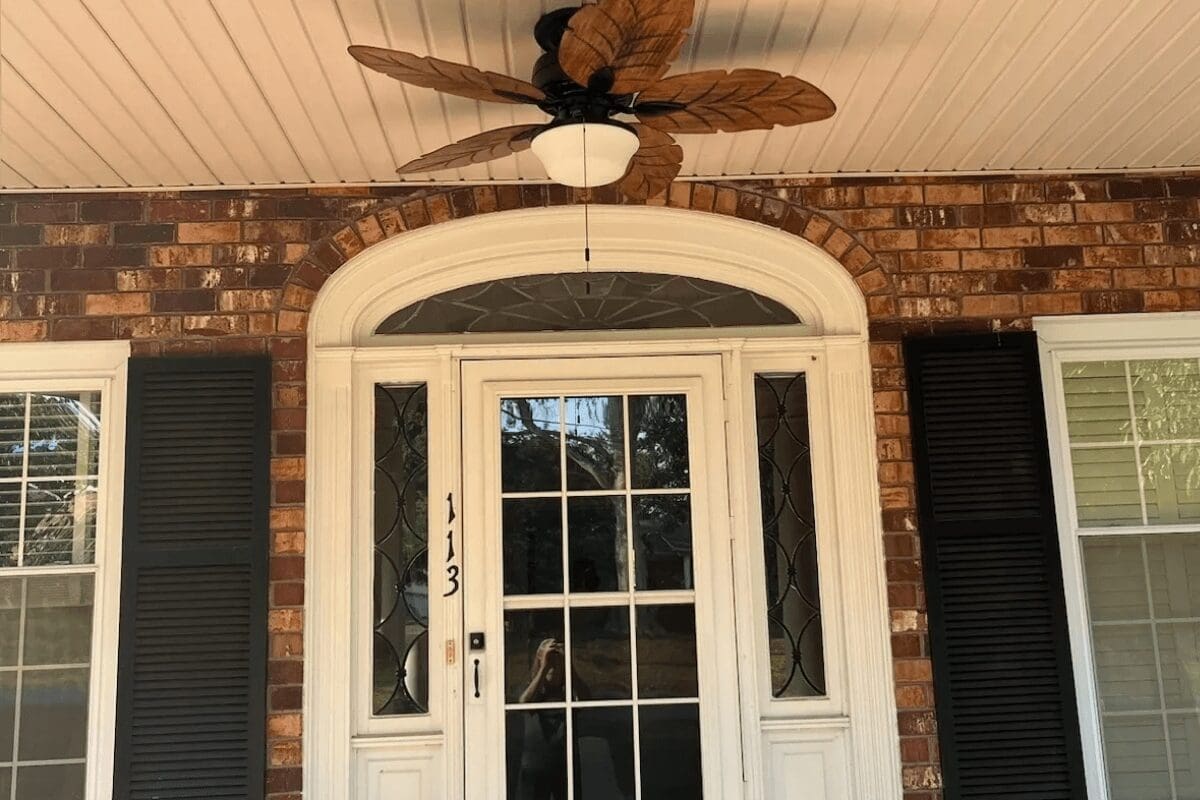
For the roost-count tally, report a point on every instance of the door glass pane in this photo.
(532, 543)
(599, 553)
(537, 754)
(401, 576)
(670, 751)
(659, 442)
(534, 656)
(600, 653)
(595, 443)
(789, 536)
(666, 651)
(662, 536)
(624, 644)
(529, 444)
(603, 743)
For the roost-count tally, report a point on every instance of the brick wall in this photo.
(235, 272)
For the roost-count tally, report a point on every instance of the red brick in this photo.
(23, 330)
(893, 195)
(1111, 256)
(992, 259)
(1044, 214)
(949, 238)
(991, 305)
(1013, 193)
(953, 194)
(929, 261)
(181, 255)
(1114, 302)
(893, 240)
(119, 303)
(111, 210)
(1057, 303)
(1134, 233)
(75, 234)
(275, 231)
(1012, 237)
(1104, 212)
(1073, 234)
(179, 210)
(201, 232)
(1143, 278)
(46, 212)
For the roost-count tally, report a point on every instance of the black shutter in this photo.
(1001, 659)
(191, 709)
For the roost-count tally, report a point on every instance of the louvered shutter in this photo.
(1002, 666)
(192, 661)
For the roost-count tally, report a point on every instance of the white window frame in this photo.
(102, 367)
(1064, 340)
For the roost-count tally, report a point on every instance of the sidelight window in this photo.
(789, 535)
(400, 597)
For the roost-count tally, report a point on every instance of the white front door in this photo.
(600, 655)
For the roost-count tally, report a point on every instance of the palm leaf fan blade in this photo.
(486, 146)
(622, 46)
(446, 76)
(739, 100)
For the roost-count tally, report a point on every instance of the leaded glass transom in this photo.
(593, 301)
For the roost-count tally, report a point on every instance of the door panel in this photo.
(595, 533)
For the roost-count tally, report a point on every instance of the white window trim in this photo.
(1063, 340)
(102, 366)
(406, 268)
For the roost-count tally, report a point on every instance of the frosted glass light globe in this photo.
(609, 148)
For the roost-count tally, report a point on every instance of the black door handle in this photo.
(477, 677)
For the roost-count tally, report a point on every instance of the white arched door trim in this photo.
(421, 263)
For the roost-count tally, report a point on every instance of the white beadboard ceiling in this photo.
(173, 93)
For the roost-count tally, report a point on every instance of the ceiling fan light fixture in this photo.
(586, 154)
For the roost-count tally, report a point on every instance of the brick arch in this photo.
(328, 254)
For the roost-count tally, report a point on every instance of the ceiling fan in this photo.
(602, 60)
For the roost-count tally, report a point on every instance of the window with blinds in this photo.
(1134, 433)
(49, 480)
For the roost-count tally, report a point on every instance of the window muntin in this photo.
(400, 598)
(1134, 438)
(794, 633)
(49, 489)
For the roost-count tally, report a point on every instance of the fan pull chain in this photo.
(587, 239)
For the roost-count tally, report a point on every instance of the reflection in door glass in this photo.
(529, 444)
(532, 544)
(658, 430)
(603, 744)
(595, 443)
(400, 594)
(625, 662)
(599, 552)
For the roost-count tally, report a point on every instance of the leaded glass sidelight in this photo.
(401, 569)
(595, 301)
(789, 536)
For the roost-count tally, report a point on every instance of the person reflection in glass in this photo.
(543, 768)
